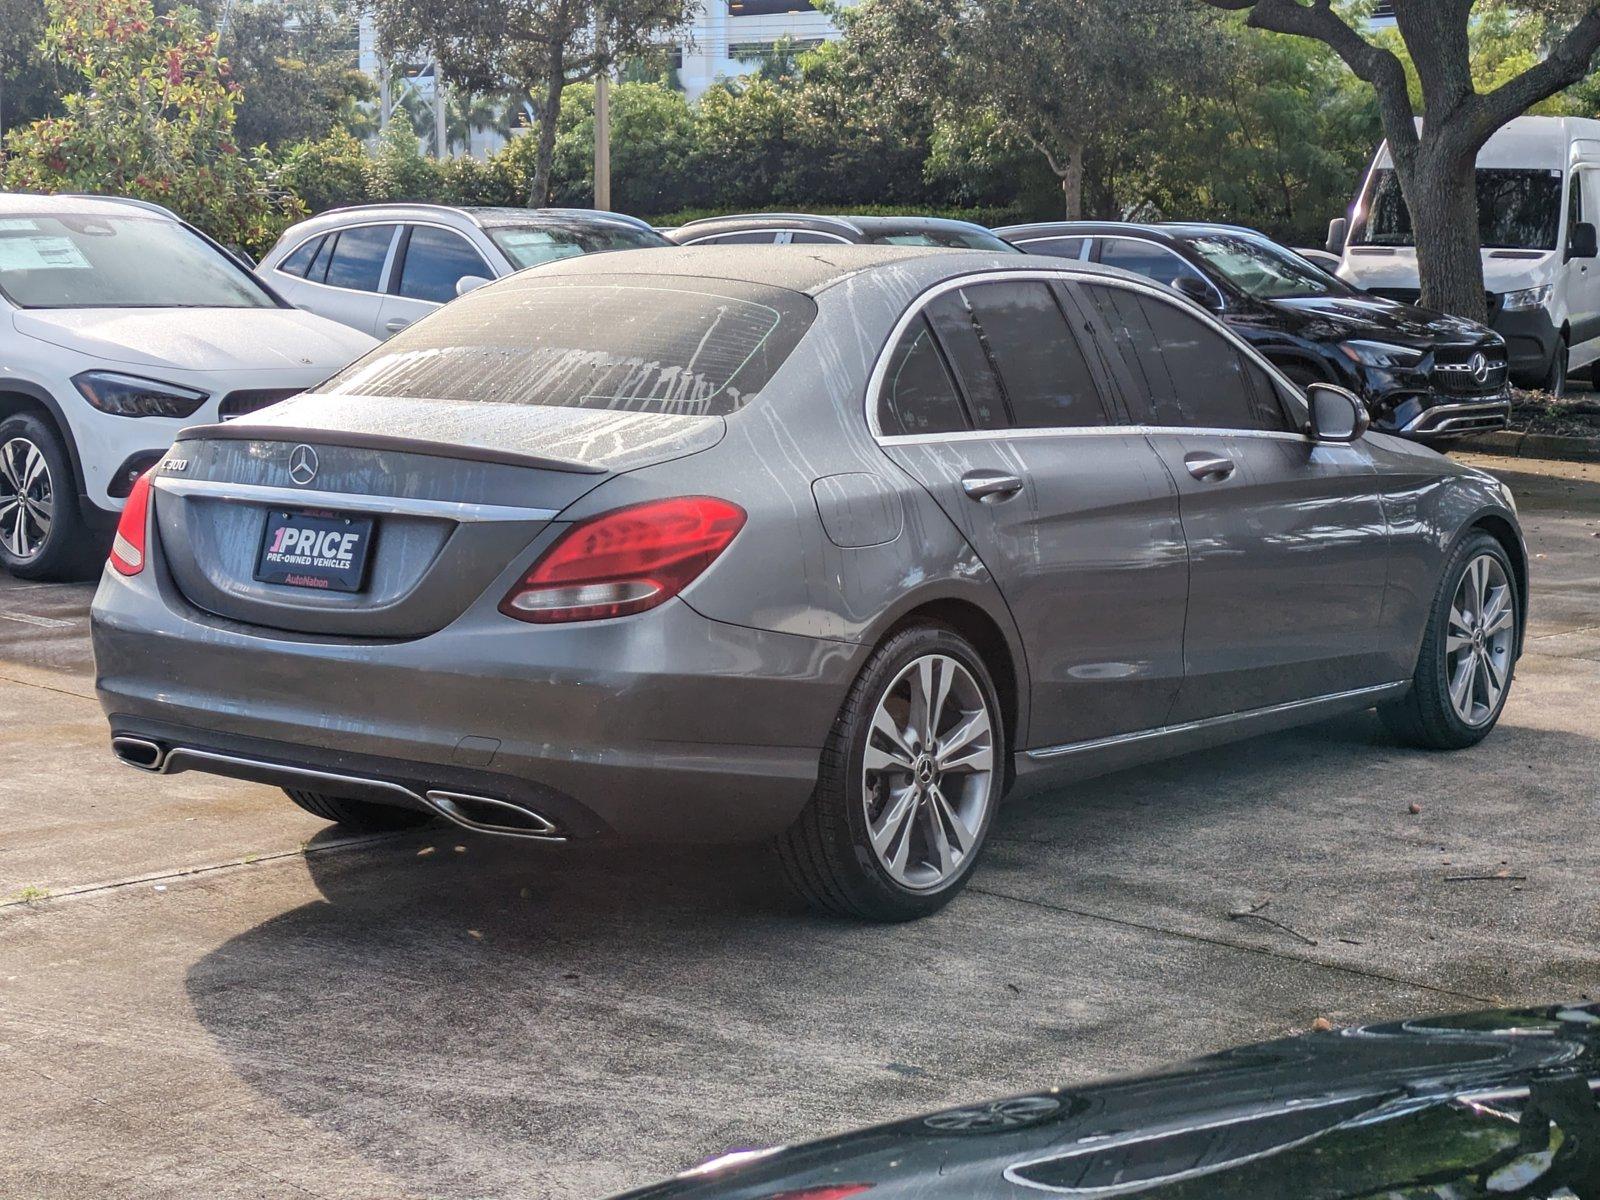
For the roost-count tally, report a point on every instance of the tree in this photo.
(295, 62)
(537, 46)
(28, 84)
(1066, 78)
(154, 119)
(1436, 164)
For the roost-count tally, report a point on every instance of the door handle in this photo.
(396, 324)
(991, 487)
(1210, 468)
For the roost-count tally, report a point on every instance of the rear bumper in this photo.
(665, 726)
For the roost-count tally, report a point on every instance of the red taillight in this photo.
(127, 548)
(624, 561)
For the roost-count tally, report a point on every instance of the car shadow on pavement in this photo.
(455, 1006)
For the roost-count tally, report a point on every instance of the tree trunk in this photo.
(550, 113)
(1442, 193)
(1069, 170)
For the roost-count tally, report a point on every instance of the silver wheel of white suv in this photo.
(27, 499)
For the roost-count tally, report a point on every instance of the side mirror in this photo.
(1337, 415)
(1338, 234)
(1198, 290)
(471, 283)
(1583, 241)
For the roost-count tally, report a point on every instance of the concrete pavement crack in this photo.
(1261, 951)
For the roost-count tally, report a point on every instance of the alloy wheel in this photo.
(27, 499)
(1480, 640)
(928, 775)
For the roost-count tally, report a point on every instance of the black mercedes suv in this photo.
(1423, 374)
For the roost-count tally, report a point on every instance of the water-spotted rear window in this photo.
(687, 347)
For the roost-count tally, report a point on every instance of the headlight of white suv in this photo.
(129, 396)
(1381, 354)
(1534, 297)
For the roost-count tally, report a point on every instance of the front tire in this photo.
(42, 534)
(1464, 672)
(1555, 381)
(908, 784)
(358, 816)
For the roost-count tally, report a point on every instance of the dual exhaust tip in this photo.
(482, 814)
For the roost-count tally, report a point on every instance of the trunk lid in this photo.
(455, 493)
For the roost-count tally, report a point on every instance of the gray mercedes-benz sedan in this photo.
(831, 548)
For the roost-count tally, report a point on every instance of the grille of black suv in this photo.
(238, 404)
(1470, 370)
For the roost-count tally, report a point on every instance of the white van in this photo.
(1538, 204)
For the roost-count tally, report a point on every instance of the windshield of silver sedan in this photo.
(118, 262)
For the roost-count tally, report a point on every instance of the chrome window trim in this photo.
(1091, 238)
(1376, 692)
(360, 502)
(880, 368)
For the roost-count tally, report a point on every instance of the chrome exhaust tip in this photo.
(140, 753)
(484, 814)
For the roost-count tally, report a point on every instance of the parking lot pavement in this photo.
(219, 997)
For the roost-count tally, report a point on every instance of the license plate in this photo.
(321, 550)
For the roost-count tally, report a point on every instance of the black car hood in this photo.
(1468, 1105)
(1337, 318)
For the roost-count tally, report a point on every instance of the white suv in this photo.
(379, 267)
(119, 326)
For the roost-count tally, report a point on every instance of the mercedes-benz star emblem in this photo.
(1479, 367)
(302, 465)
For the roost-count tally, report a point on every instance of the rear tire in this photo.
(358, 816)
(42, 533)
(1439, 713)
(903, 804)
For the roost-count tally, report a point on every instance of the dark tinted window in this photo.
(297, 262)
(1145, 258)
(437, 260)
(1060, 247)
(694, 348)
(754, 238)
(1183, 372)
(801, 237)
(358, 256)
(952, 318)
(1045, 376)
(319, 265)
(918, 394)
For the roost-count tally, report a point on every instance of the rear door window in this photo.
(1147, 259)
(436, 260)
(918, 394)
(300, 261)
(1060, 247)
(358, 257)
(1046, 379)
(1184, 373)
(687, 346)
(804, 237)
(952, 319)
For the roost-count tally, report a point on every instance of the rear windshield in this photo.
(530, 245)
(950, 239)
(686, 347)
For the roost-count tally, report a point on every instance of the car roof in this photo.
(807, 269)
(1170, 232)
(863, 226)
(25, 203)
(468, 217)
